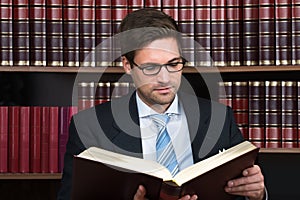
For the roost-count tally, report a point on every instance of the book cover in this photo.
(3, 139)
(295, 32)
(24, 139)
(35, 139)
(102, 93)
(123, 174)
(225, 93)
(71, 33)
(6, 34)
(86, 95)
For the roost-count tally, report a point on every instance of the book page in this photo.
(213, 162)
(126, 162)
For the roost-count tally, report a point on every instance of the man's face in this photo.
(157, 91)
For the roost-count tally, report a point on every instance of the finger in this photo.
(248, 179)
(188, 197)
(252, 170)
(245, 188)
(140, 193)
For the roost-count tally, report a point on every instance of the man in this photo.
(151, 49)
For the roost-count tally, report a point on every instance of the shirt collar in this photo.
(145, 111)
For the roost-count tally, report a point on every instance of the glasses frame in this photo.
(160, 66)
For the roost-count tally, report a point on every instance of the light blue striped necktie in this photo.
(165, 153)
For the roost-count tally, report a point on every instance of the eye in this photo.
(173, 64)
(150, 67)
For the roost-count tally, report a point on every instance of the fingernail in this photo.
(245, 173)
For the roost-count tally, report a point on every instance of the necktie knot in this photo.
(160, 120)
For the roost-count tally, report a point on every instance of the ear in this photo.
(126, 65)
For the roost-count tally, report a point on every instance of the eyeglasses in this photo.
(151, 69)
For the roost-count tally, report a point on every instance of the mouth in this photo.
(163, 90)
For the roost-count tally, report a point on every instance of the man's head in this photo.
(150, 44)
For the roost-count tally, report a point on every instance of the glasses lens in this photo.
(175, 67)
(151, 69)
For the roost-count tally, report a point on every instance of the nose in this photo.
(164, 75)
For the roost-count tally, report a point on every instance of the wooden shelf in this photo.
(120, 69)
(279, 150)
(23, 176)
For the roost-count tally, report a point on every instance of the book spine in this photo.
(295, 32)
(45, 132)
(103, 30)
(71, 33)
(86, 95)
(225, 93)
(63, 124)
(240, 105)
(3, 139)
(24, 139)
(53, 139)
(250, 32)
(54, 37)
(289, 114)
(234, 32)
(37, 29)
(266, 32)
(170, 7)
(135, 5)
(273, 114)
(35, 139)
(283, 28)
(20, 33)
(87, 33)
(102, 93)
(119, 89)
(13, 138)
(218, 33)
(119, 10)
(257, 113)
(186, 18)
(6, 33)
(203, 34)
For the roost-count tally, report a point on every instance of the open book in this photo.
(101, 174)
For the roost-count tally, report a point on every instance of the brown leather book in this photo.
(101, 174)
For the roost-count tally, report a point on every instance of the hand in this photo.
(141, 192)
(250, 185)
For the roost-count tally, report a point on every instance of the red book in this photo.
(283, 16)
(13, 138)
(250, 32)
(170, 7)
(86, 95)
(24, 139)
(273, 114)
(37, 28)
(3, 139)
(218, 33)
(225, 93)
(71, 33)
(53, 139)
(240, 101)
(289, 114)
(35, 139)
(6, 34)
(266, 32)
(203, 33)
(295, 32)
(257, 113)
(45, 132)
(63, 124)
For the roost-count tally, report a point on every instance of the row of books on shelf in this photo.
(234, 33)
(33, 139)
(267, 112)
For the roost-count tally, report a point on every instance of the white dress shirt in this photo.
(177, 128)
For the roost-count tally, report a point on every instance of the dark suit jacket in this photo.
(115, 126)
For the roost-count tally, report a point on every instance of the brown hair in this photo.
(143, 26)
